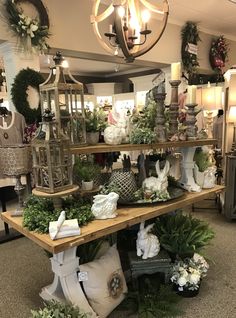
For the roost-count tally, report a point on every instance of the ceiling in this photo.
(214, 16)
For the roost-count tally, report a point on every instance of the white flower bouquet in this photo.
(187, 274)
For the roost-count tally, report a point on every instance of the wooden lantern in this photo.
(64, 96)
(52, 160)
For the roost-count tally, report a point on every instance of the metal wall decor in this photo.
(64, 96)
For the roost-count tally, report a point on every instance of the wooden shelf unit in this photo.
(102, 148)
(127, 216)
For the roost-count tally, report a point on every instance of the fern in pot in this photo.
(182, 235)
(85, 173)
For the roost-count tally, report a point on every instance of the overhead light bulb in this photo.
(121, 11)
(65, 64)
(145, 16)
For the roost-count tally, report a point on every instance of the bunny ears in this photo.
(162, 173)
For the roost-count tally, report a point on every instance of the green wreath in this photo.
(190, 38)
(26, 77)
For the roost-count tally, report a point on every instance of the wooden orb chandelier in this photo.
(127, 26)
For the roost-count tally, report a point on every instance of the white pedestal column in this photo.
(65, 286)
(14, 61)
(187, 180)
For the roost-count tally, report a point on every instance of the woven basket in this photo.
(125, 181)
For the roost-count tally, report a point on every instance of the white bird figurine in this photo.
(105, 205)
(60, 221)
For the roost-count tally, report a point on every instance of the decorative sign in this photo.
(192, 48)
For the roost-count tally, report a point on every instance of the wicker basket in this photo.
(125, 181)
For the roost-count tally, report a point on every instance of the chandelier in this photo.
(128, 32)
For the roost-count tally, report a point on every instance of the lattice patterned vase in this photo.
(126, 183)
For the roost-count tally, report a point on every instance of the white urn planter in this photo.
(205, 179)
(87, 185)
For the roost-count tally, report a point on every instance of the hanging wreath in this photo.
(190, 39)
(31, 32)
(22, 81)
(219, 53)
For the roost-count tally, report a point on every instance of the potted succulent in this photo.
(54, 309)
(95, 122)
(182, 235)
(85, 172)
(186, 275)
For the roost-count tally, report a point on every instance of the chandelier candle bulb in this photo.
(192, 94)
(175, 71)
(110, 28)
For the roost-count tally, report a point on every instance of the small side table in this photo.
(158, 264)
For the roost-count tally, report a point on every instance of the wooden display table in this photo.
(102, 148)
(65, 263)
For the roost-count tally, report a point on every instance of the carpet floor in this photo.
(25, 269)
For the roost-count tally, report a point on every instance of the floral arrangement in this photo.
(219, 53)
(31, 33)
(95, 120)
(187, 274)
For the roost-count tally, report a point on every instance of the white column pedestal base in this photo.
(65, 286)
(187, 180)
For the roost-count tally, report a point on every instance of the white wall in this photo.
(71, 29)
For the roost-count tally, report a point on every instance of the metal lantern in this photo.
(64, 96)
(52, 160)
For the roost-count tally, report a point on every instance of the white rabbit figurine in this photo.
(105, 205)
(147, 244)
(160, 183)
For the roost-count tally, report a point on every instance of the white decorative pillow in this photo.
(106, 284)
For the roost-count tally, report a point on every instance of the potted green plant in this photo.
(95, 122)
(204, 169)
(54, 309)
(182, 235)
(85, 172)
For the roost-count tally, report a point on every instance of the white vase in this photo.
(112, 135)
(87, 185)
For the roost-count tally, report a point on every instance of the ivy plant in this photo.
(38, 212)
(54, 309)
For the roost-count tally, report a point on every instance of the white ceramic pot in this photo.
(87, 185)
(112, 135)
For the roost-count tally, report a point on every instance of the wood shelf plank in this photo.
(102, 148)
(127, 216)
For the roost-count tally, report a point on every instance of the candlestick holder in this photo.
(191, 120)
(159, 96)
(174, 108)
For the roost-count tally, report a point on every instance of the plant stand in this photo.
(158, 264)
(187, 180)
(65, 286)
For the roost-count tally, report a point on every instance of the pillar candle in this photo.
(175, 71)
(192, 91)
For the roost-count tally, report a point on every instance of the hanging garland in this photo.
(31, 32)
(218, 54)
(190, 39)
(22, 81)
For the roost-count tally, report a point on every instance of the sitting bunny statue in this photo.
(105, 205)
(147, 244)
(160, 183)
